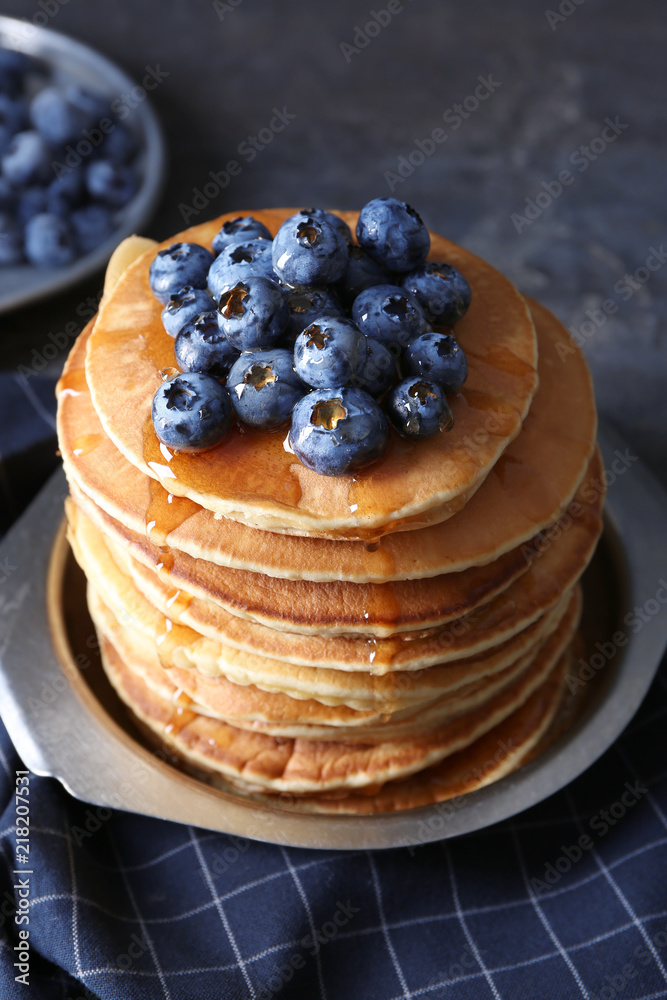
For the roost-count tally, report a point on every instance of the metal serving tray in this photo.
(66, 721)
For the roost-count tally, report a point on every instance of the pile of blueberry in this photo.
(336, 337)
(63, 177)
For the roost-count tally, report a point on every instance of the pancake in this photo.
(527, 489)
(300, 765)
(252, 478)
(278, 714)
(340, 608)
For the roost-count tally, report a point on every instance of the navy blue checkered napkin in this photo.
(567, 900)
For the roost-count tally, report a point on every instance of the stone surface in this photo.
(549, 89)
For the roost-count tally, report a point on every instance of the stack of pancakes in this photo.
(352, 644)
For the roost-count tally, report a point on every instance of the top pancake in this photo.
(526, 490)
(252, 478)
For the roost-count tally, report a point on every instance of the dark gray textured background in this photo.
(228, 69)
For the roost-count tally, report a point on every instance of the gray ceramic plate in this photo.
(71, 62)
(66, 723)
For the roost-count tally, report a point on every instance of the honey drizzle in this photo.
(86, 443)
(72, 383)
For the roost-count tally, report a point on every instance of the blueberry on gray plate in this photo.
(393, 234)
(389, 314)
(184, 305)
(378, 372)
(417, 408)
(239, 230)
(330, 217)
(441, 290)
(437, 356)
(11, 240)
(112, 183)
(238, 261)
(338, 431)
(49, 241)
(253, 313)
(264, 388)
(361, 272)
(191, 412)
(177, 265)
(27, 160)
(201, 346)
(306, 305)
(91, 226)
(330, 352)
(309, 251)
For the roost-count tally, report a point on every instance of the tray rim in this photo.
(44, 43)
(58, 746)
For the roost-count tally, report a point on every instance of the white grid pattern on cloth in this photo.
(406, 995)
(464, 924)
(309, 914)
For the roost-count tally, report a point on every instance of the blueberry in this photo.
(48, 241)
(7, 196)
(56, 118)
(184, 305)
(437, 356)
(65, 192)
(191, 412)
(337, 431)
(179, 264)
(441, 290)
(5, 139)
(393, 234)
(118, 145)
(13, 67)
(361, 272)
(378, 371)
(309, 251)
(11, 240)
(239, 261)
(91, 225)
(389, 314)
(306, 305)
(253, 313)
(31, 201)
(91, 104)
(28, 159)
(239, 230)
(201, 346)
(330, 352)
(13, 114)
(417, 408)
(323, 216)
(112, 183)
(264, 388)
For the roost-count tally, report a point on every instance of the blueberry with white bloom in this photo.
(253, 313)
(201, 346)
(330, 352)
(264, 387)
(441, 290)
(378, 372)
(389, 314)
(48, 241)
(91, 226)
(417, 407)
(184, 305)
(112, 183)
(27, 160)
(191, 412)
(238, 261)
(361, 272)
(437, 356)
(306, 305)
(393, 234)
(337, 431)
(177, 265)
(239, 230)
(309, 251)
